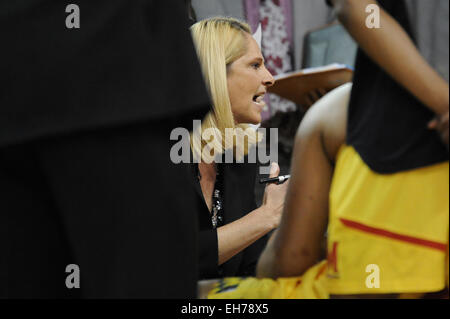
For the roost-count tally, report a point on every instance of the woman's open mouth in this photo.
(259, 100)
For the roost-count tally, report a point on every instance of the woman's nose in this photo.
(268, 79)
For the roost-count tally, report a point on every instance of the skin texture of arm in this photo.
(296, 245)
(238, 235)
(392, 49)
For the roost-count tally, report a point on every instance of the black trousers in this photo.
(109, 201)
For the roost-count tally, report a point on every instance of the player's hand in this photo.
(440, 124)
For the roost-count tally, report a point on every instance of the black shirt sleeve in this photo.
(208, 253)
(251, 254)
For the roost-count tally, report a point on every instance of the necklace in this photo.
(217, 198)
(217, 202)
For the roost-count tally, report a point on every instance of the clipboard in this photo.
(294, 86)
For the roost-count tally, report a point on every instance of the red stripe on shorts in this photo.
(388, 234)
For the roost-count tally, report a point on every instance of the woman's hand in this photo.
(273, 200)
(236, 236)
(313, 96)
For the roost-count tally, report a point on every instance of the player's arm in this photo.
(392, 49)
(298, 243)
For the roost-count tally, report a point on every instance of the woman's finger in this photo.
(314, 96)
(274, 170)
(309, 102)
(433, 124)
(321, 92)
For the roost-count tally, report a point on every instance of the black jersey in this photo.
(387, 125)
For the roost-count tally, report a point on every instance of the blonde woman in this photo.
(232, 228)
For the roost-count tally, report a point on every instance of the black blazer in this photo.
(238, 200)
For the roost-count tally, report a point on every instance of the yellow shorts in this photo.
(312, 285)
(387, 233)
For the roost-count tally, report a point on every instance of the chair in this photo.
(329, 44)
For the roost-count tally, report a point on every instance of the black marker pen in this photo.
(278, 180)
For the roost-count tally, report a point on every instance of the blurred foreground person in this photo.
(85, 119)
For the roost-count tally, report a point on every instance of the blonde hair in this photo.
(219, 42)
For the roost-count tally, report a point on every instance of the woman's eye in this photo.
(256, 65)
